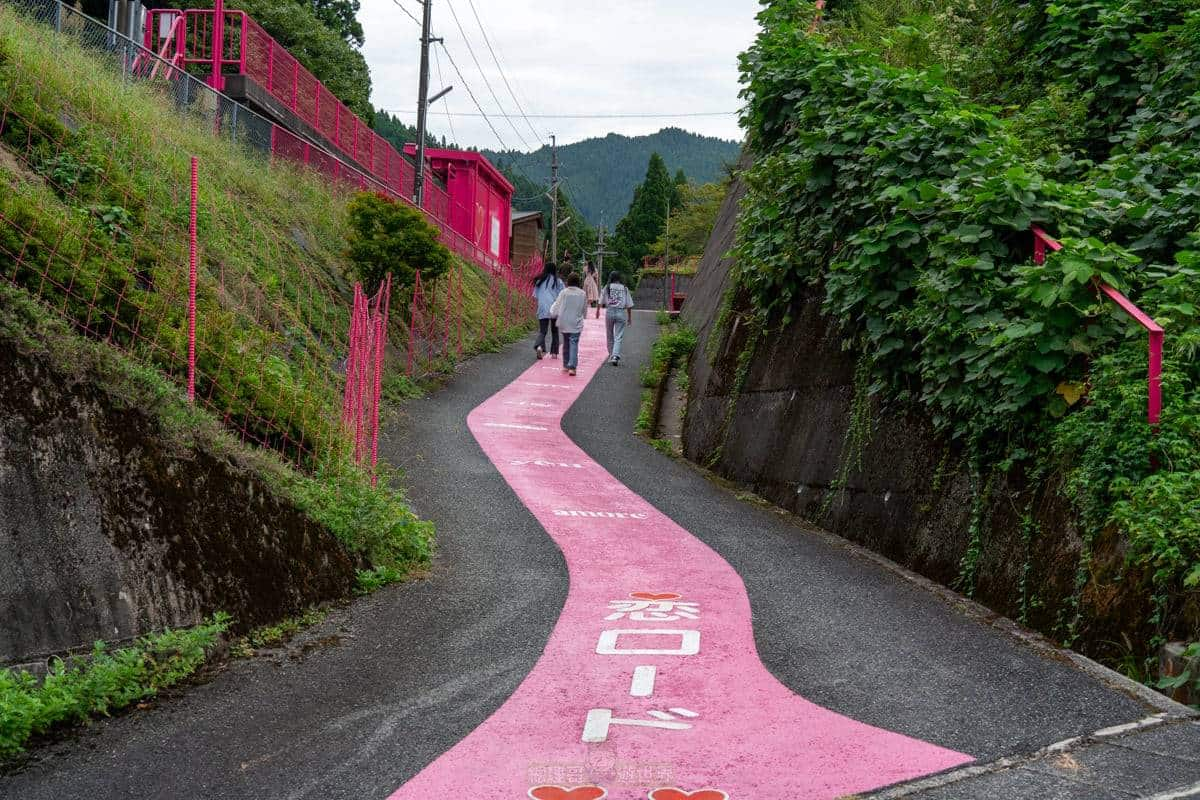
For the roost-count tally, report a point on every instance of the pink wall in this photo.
(480, 198)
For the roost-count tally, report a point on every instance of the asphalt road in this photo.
(366, 700)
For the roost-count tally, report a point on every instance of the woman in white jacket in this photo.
(570, 309)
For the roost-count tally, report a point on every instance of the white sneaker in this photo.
(540, 352)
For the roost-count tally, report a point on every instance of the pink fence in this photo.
(364, 371)
(364, 159)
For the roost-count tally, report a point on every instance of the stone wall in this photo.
(108, 531)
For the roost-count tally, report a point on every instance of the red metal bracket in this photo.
(1043, 241)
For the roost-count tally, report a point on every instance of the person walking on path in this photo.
(617, 298)
(591, 287)
(570, 309)
(546, 290)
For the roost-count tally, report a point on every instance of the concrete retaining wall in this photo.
(914, 496)
(108, 532)
(652, 289)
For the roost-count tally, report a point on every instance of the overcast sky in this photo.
(566, 58)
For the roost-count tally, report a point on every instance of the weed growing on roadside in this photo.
(106, 681)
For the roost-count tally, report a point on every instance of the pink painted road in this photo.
(650, 685)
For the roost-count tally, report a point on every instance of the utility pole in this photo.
(600, 253)
(553, 198)
(667, 259)
(423, 104)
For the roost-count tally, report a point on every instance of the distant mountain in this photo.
(600, 174)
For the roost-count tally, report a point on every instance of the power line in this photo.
(486, 119)
(500, 67)
(407, 12)
(483, 75)
(445, 102)
(619, 116)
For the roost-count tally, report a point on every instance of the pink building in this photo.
(479, 202)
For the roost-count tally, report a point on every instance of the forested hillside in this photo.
(600, 174)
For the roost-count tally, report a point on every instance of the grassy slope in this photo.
(76, 142)
(274, 285)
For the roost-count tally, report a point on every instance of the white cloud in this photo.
(575, 57)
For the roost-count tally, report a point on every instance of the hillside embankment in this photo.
(802, 433)
(895, 348)
(126, 509)
(122, 515)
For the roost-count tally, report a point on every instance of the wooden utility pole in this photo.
(600, 253)
(667, 259)
(553, 199)
(423, 105)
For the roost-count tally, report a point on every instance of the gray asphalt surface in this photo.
(413, 669)
(374, 694)
(840, 630)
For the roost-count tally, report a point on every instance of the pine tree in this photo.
(647, 217)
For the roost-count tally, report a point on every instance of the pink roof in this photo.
(463, 157)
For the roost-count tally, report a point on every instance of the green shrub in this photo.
(674, 344)
(107, 681)
(387, 236)
(372, 521)
(881, 188)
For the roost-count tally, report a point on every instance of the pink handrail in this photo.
(1043, 241)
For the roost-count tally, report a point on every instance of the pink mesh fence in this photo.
(364, 372)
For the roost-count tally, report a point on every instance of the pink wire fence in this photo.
(364, 372)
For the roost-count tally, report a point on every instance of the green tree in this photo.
(399, 134)
(340, 16)
(386, 236)
(647, 217)
(691, 221)
(602, 172)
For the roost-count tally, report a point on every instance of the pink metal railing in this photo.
(1043, 241)
(288, 145)
(248, 48)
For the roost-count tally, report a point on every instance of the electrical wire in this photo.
(503, 145)
(622, 116)
(482, 74)
(541, 139)
(437, 62)
(408, 13)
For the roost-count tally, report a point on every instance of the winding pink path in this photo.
(715, 720)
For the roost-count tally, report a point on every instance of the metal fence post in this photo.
(57, 17)
(191, 373)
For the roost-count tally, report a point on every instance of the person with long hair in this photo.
(591, 287)
(570, 309)
(617, 298)
(546, 290)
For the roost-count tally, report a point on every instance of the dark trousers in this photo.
(545, 325)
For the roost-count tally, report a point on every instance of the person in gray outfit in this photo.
(618, 301)
(546, 290)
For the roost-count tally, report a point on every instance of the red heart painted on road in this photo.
(559, 793)
(653, 596)
(680, 794)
